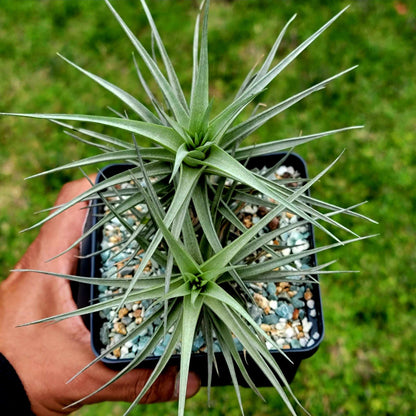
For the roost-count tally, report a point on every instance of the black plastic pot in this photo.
(90, 267)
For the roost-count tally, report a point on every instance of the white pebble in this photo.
(310, 343)
(293, 219)
(283, 222)
(298, 264)
(280, 341)
(315, 335)
(281, 170)
(116, 221)
(269, 345)
(310, 303)
(249, 209)
(280, 326)
(273, 304)
(301, 245)
(262, 259)
(313, 313)
(306, 325)
(290, 332)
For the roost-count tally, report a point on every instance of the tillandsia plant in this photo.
(191, 179)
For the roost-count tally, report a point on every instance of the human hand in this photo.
(46, 356)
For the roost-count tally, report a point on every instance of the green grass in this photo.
(366, 363)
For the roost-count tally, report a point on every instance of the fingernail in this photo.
(193, 385)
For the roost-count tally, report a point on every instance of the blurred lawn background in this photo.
(366, 363)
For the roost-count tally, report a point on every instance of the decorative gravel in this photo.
(286, 311)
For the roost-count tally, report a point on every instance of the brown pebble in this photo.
(295, 314)
(117, 352)
(127, 276)
(286, 347)
(148, 267)
(291, 293)
(120, 328)
(274, 223)
(138, 320)
(287, 175)
(308, 294)
(137, 313)
(247, 222)
(262, 302)
(115, 239)
(289, 215)
(282, 287)
(262, 211)
(300, 335)
(122, 312)
(266, 328)
(120, 264)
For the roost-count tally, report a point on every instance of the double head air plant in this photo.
(191, 178)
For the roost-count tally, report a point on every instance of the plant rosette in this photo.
(191, 227)
(289, 311)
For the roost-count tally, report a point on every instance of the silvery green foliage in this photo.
(193, 170)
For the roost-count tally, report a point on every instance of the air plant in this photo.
(191, 179)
